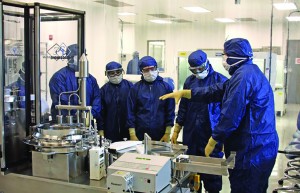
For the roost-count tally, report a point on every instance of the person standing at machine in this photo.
(247, 121)
(114, 104)
(133, 64)
(198, 118)
(64, 80)
(146, 113)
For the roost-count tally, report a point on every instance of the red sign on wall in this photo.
(297, 60)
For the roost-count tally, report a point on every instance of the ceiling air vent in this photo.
(245, 19)
(181, 20)
(114, 3)
(161, 15)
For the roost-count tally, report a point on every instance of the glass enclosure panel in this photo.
(58, 31)
(261, 63)
(14, 86)
(216, 63)
(183, 71)
(186, 30)
(14, 43)
(156, 49)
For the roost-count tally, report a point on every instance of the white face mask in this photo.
(227, 66)
(150, 76)
(115, 79)
(202, 75)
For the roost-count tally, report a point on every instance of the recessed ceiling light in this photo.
(126, 14)
(225, 20)
(196, 9)
(285, 6)
(160, 21)
(293, 18)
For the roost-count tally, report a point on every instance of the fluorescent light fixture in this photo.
(293, 18)
(285, 6)
(225, 20)
(126, 14)
(160, 21)
(196, 9)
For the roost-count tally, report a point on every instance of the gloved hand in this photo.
(132, 135)
(177, 129)
(210, 146)
(166, 137)
(177, 95)
(101, 133)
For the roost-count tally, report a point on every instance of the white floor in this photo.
(286, 127)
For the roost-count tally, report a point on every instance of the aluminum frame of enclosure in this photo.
(37, 20)
(2, 80)
(31, 59)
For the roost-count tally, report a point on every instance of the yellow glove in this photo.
(210, 146)
(197, 182)
(166, 137)
(177, 95)
(101, 133)
(132, 135)
(177, 129)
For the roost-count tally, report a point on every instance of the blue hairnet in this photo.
(197, 58)
(113, 65)
(147, 61)
(238, 47)
(71, 51)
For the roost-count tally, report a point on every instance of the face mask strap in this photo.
(242, 58)
(234, 64)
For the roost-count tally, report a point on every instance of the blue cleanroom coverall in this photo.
(247, 120)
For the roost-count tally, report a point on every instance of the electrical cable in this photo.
(178, 183)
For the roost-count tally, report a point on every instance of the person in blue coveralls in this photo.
(198, 118)
(114, 104)
(247, 121)
(133, 64)
(146, 113)
(64, 80)
(19, 85)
